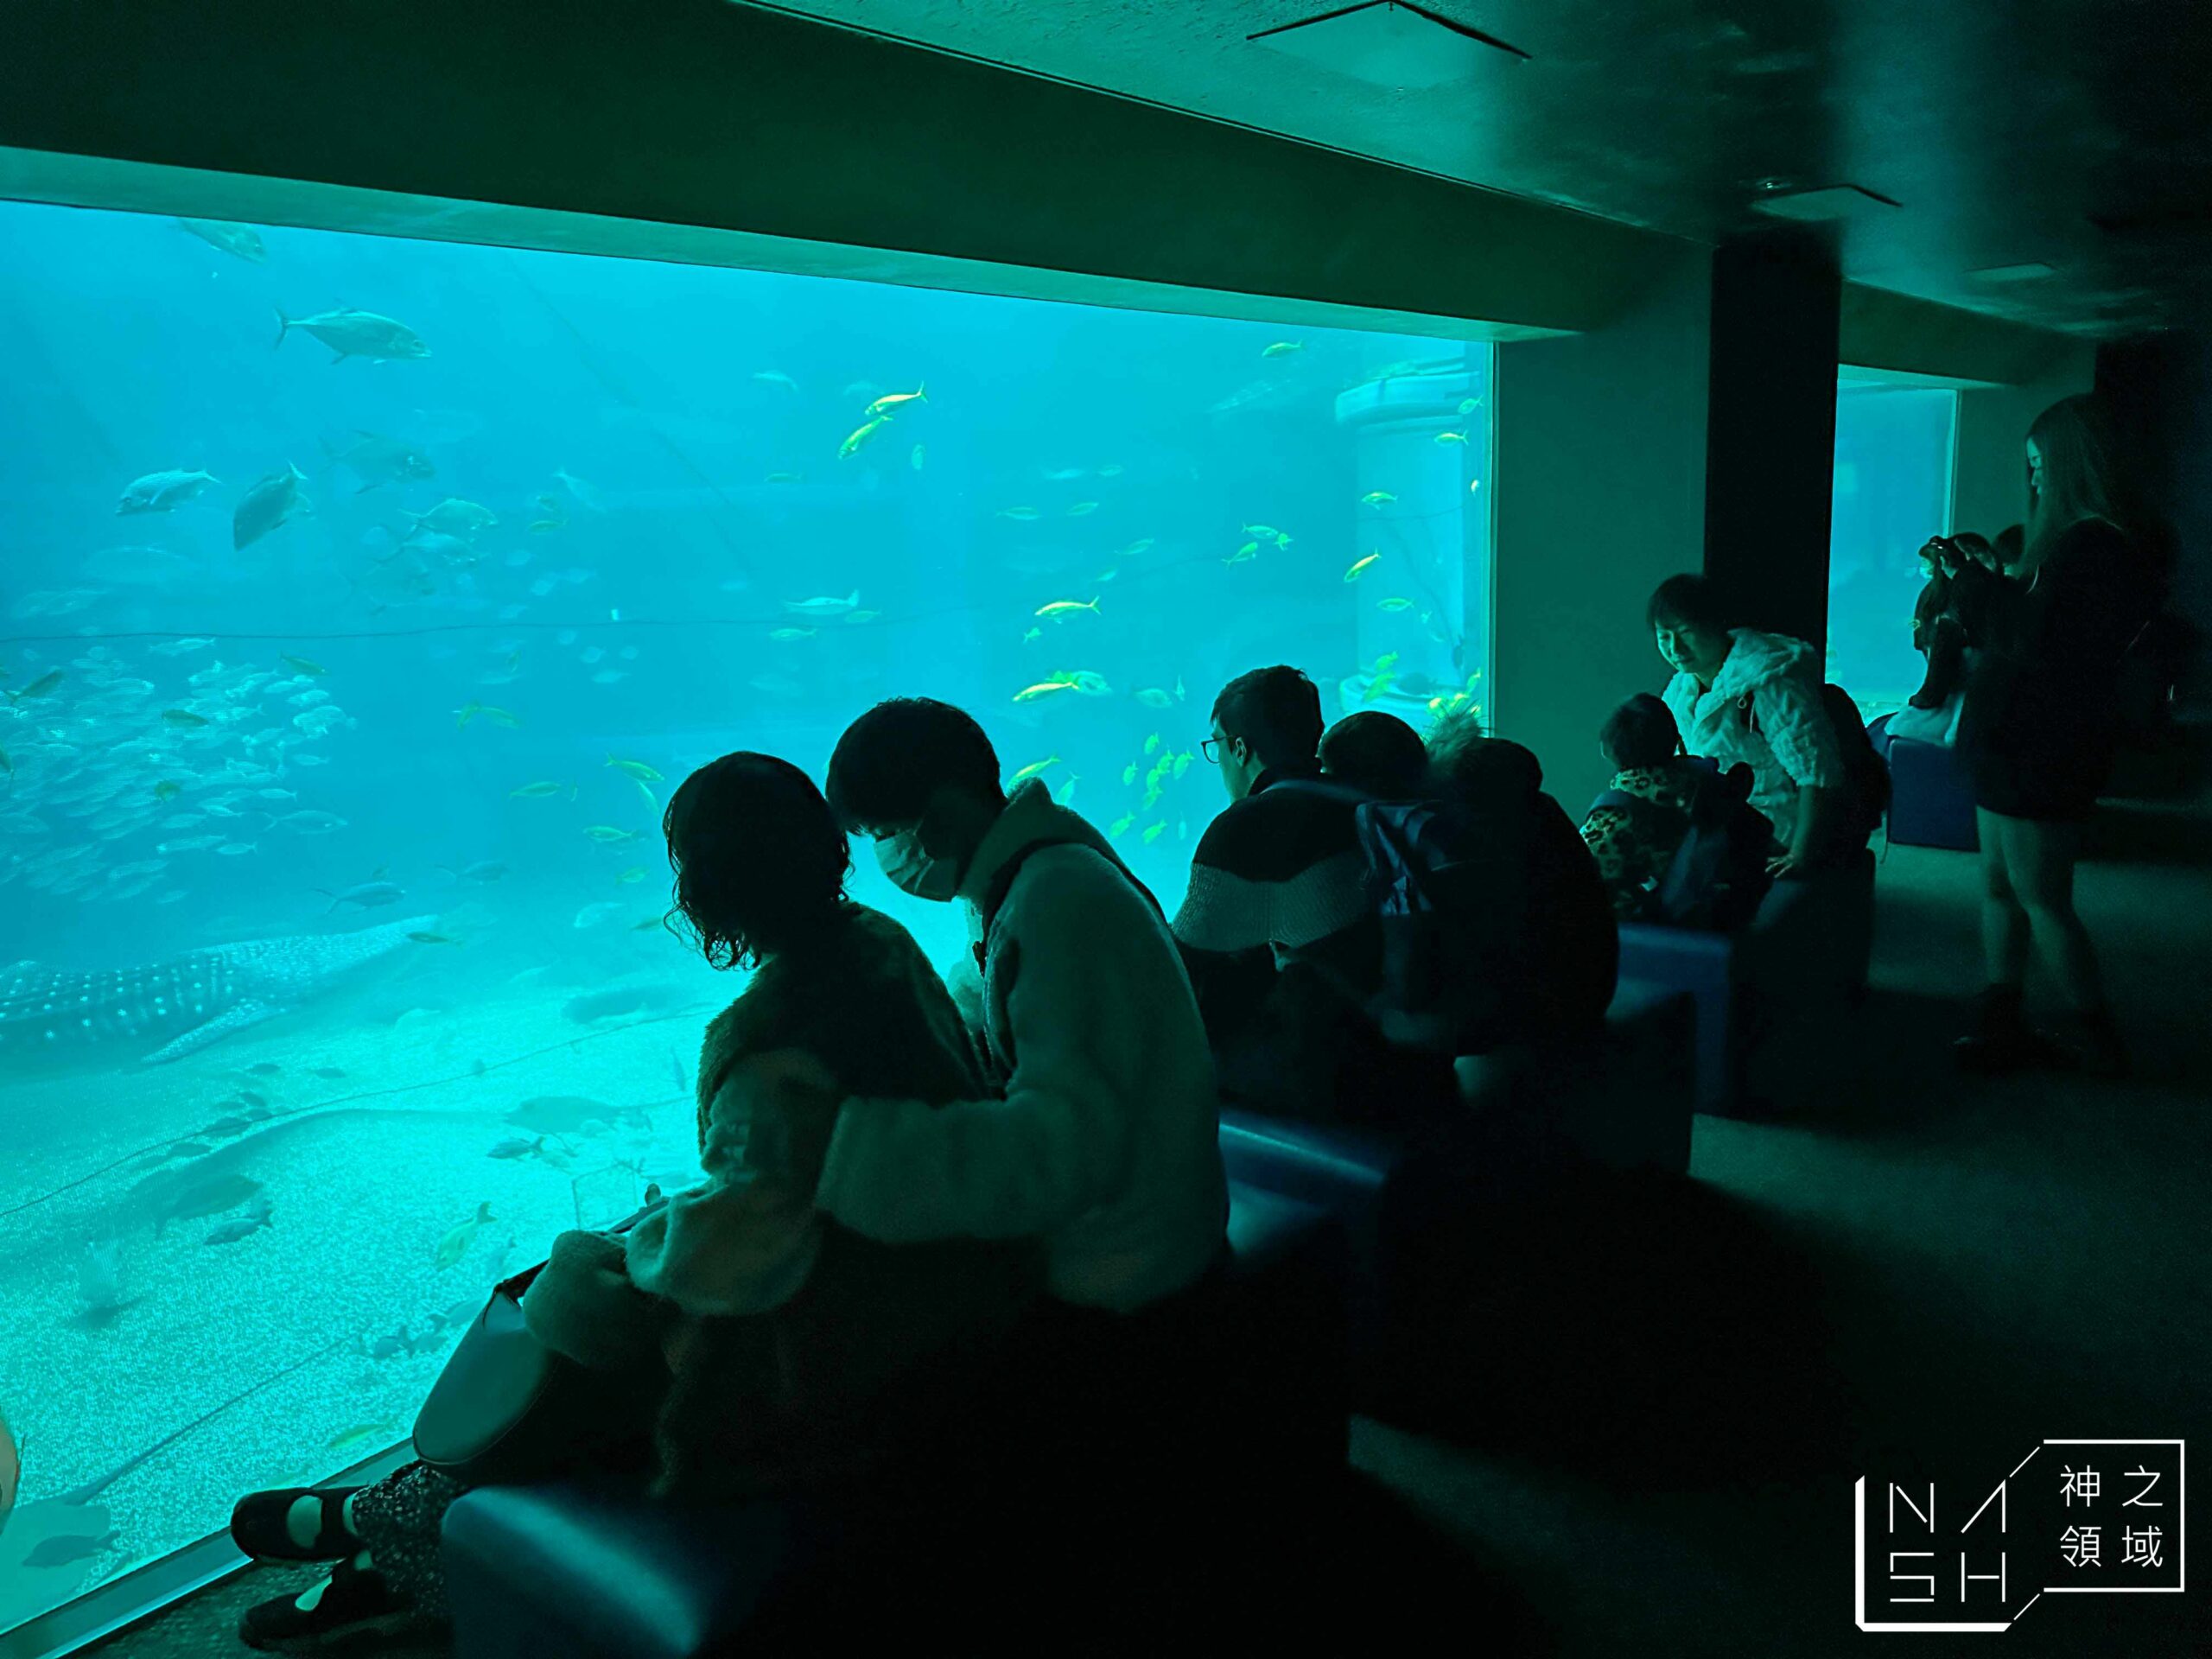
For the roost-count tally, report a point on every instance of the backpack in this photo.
(1718, 872)
(1480, 947)
(1866, 775)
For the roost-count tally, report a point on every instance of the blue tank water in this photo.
(365, 599)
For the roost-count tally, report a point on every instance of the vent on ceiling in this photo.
(1389, 44)
(1835, 201)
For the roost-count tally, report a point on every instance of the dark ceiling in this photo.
(2069, 132)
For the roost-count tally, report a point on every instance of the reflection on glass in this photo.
(366, 599)
(1893, 492)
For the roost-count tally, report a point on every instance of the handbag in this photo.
(507, 1408)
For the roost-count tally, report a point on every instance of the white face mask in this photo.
(912, 870)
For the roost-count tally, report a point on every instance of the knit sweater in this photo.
(1278, 929)
(1764, 710)
(1104, 1143)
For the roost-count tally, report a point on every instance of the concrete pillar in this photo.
(1771, 429)
(1600, 496)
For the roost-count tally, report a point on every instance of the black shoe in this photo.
(2002, 1043)
(355, 1602)
(2002, 1054)
(260, 1525)
(2092, 1045)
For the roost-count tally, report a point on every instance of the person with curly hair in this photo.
(762, 1346)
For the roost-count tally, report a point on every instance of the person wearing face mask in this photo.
(2040, 724)
(742, 1342)
(1101, 1140)
(1742, 697)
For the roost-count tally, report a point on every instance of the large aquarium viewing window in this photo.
(364, 600)
(1893, 446)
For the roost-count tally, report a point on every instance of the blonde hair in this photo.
(2080, 476)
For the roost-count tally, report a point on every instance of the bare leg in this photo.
(2004, 926)
(2040, 860)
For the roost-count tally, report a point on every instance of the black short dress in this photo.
(2041, 721)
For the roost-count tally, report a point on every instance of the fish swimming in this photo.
(585, 493)
(892, 402)
(456, 517)
(245, 1226)
(240, 241)
(64, 1547)
(567, 1114)
(192, 1194)
(825, 605)
(356, 333)
(268, 505)
(460, 1237)
(183, 1005)
(628, 999)
(861, 436)
(161, 492)
(375, 459)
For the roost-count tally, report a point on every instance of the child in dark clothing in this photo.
(1634, 842)
(1377, 752)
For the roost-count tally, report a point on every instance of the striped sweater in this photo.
(1278, 930)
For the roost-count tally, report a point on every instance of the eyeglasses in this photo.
(1207, 748)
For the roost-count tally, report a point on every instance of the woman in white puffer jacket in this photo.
(1744, 696)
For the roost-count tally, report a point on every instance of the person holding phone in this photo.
(2040, 725)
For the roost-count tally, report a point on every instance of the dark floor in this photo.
(1909, 1266)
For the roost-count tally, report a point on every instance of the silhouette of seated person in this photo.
(1546, 942)
(1378, 754)
(1278, 927)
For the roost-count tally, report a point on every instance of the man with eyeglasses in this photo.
(1278, 928)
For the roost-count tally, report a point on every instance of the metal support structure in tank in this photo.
(1422, 502)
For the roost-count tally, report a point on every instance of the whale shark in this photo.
(183, 1005)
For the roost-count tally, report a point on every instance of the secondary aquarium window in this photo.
(1893, 492)
(365, 599)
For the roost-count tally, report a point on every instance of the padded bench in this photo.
(1931, 797)
(600, 1571)
(1801, 964)
(1621, 1103)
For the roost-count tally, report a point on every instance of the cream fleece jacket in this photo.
(1105, 1141)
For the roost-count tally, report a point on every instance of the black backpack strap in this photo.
(1613, 800)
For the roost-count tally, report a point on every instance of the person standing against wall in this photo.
(2040, 726)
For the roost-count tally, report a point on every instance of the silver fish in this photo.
(161, 492)
(268, 505)
(356, 333)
